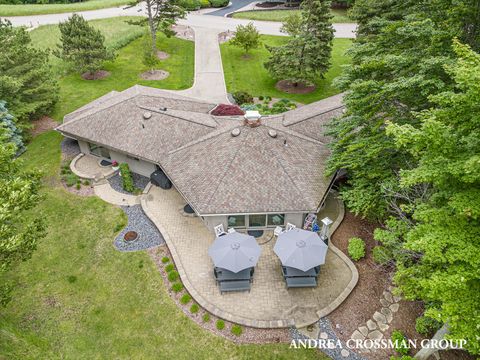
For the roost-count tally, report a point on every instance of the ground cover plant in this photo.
(249, 74)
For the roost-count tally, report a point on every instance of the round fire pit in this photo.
(130, 236)
(188, 209)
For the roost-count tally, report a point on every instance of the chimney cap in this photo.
(252, 115)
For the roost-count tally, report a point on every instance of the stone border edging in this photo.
(75, 170)
(208, 306)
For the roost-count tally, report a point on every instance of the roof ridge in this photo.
(180, 117)
(311, 116)
(294, 133)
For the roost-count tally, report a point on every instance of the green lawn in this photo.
(125, 69)
(38, 9)
(79, 298)
(250, 75)
(339, 15)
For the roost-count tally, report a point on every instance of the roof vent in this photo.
(272, 133)
(163, 109)
(235, 132)
(252, 118)
(147, 115)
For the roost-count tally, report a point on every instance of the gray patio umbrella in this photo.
(235, 251)
(300, 249)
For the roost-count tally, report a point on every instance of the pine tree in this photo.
(306, 56)
(26, 80)
(82, 45)
(161, 15)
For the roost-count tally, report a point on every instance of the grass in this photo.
(124, 70)
(79, 298)
(339, 15)
(251, 76)
(38, 9)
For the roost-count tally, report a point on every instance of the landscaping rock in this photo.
(379, 317)
(357, 335)
(388, 314)
(394, 307)
(388, 296)
(383, 327)
(345, 353)
(375, 335)
(371, 325)
(323, 335)
(397, 298)
(363, 330)
(384, 303)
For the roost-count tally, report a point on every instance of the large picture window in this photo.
(98, 150)
(275, 219)
(236, 221)
(257, 220)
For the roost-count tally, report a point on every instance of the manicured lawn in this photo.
(250, 75)
(125, 69)
(79, 298)
(339, 15)
(38, 9)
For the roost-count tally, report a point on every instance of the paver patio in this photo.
(87, 167)
(269, 303)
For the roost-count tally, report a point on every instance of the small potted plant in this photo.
(115, 165)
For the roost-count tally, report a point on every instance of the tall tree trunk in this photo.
(153, 30)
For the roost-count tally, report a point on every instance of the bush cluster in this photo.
(356, 248)
(69, 177)
(177, 287)
(265, 109)
(127, 179)
(242, 97)
(237, 330)
(426, 325)
(381, 255)
(191, 5)
(400, 342)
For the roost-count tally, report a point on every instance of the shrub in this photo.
(268, 98)
(71, 279)
(426, 325)
(194, 308)
(219, 3)
(86, 182)
(78, 186)
(70, 179)
(227, 110)
(165, 259)
(242, 97)
(404, 357)
(237, 330)
(356, 248)
(381, 255)
(246, 37)
(400, 342)
(185, 299)
(190, 5)
(127, 180)
(169, 267)
(206, 317)
(172, 276)
(177, 287)
(260, 97)
(204, 3)
(220, 324)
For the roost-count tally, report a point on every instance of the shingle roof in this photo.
(218, 173)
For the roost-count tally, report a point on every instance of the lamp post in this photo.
(324, 233)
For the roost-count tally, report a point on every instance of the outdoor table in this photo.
(292, 272)
(226, 275)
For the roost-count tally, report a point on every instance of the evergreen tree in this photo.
(82, 45)
(11, 132)
(398, 62)
(18, 193)
(161, 15)
(443, 234)
(26, 81)
(306, 56)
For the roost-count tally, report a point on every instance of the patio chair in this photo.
(278, 230)
(290, 227)
(219, 231)
(231, 230)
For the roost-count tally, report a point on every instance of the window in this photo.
(236, 221)
(258, 220)
(98, 150)
(275, 219)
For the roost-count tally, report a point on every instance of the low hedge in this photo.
(127, 179)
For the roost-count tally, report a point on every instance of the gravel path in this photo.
(148, 234)
(326, 328)
(139, 182)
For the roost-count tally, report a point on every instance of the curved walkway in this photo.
(269, 304)
(194, 19)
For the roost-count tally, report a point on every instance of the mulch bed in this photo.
(289, 88)
(100, 74)
(249, 335)
(162, 55)
(85, 190)
(42, 125)
(154, 75)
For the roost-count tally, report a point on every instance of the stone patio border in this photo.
(210, 307)
(83, 175)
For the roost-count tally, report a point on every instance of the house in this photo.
(253, 173)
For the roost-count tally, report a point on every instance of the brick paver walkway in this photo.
(269, 303)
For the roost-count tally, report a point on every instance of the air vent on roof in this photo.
(163, 109)
(235, 132)
(147, 115)
(272, 133)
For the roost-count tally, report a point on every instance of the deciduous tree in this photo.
(246, 37)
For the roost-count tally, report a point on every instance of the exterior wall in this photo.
(295, 219)
(137, 166)
(84, 147)
(212, 221)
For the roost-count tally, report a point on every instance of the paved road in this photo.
(193, 19)
(234, 6)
